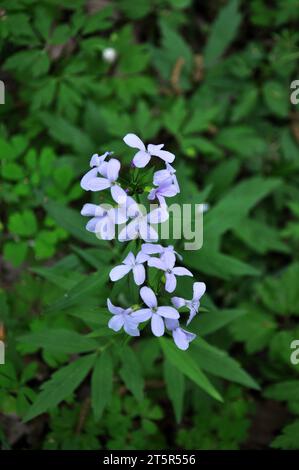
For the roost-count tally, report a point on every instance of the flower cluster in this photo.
(137, 224)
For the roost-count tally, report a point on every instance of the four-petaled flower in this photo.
(122, 318)
(103, 219)
(143, 156)
(165, 189)
(154, 248)
(167, 264)
(199, 289)
(181, 337)
(154, 312)
(140, 225)
(108, 180)
(98, 165)
(130, 263)
(162, 175)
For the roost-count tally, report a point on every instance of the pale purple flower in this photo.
(199, 289)
(98, 165)
(122, 318)
(143, 156)
(165, 189)
(104, 219)
(155, 248)
(162, 175)
(109, 180)
(154, 312)
(181, 337)
(140, 224)
(131, 263)
(167, 264)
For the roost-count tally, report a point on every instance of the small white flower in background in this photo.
(109, 55)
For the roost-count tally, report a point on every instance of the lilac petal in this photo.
(120, 215)
(141, 159)
(139, 274)
(95, 160)
(98, 184)
(129, 259)
(193, 312)
(93, 225)
(118, 194)
(157, 216)
(116, 322)
(176, 184)
(168, 259)
(147, 233)
(170, 284)
(182, 272)
(157, 325)
(178, 302)
(148, 297)
(102, 169)
(119, 271)
(130, 232)
(113, 309)
(92, 210)
(141, 257)
(142, 315)
(151, 248)
(132, 140)
(152, 194)
(106, 229)
(180, 339)
(160, 176)
(113, 168)
(171, 324)
(153, 148)
(170, 191)
(166, 156)
(168, 312)
(84, 183)
(199, 289)
(131, 326)
(156, 263)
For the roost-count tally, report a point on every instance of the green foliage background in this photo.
(212, 81)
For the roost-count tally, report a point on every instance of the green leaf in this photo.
(131, 372)
(223, 32)
(23, 223)
(217, 362)
(175, 385)
(289, 438)
(101, 383)
(184, 362)
(276, 96)
(59, 341)
(60, 386)
(92, 283)
(15, 252)
(284, 391)
(71, 221)
(207, 323)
